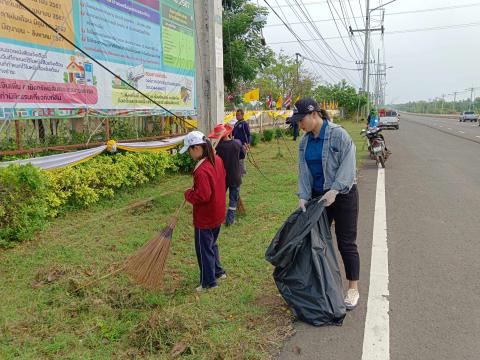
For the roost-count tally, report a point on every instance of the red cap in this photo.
(220, 131)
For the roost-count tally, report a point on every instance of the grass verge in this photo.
(244, 318)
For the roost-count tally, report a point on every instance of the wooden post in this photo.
(107, 129)
(18, 136)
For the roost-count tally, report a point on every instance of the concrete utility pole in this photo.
(377, 84)
(209, 64)
(455, 99)
(366, 49)
(471, 98)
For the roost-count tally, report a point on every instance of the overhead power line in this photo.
(303, 45)
(330, 73)
(334, 66)
(327, 70)
(338, 30)
(315, 28)
(456, 26)
(388, 14)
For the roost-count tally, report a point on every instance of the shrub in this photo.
(279, 133)
(183, 162)
(267, 135)
(29, 196)
(254, 139)
(85, 184)
(23, 203)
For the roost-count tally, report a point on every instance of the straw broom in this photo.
(240, 207)
(147, 264)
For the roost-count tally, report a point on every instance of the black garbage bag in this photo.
(306, 268)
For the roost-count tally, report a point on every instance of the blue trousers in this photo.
(207, 256)
(233, 195)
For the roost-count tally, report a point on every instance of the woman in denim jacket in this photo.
(327, 170)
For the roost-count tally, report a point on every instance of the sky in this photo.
(426, 64)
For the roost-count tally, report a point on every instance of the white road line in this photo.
(376, 338)
(462, 132)
(449, 128)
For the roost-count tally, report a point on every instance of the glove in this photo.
(329, 197)
(301, 204)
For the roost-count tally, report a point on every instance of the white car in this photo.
(468, 115)
(390, 119)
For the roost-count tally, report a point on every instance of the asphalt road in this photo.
(467, 130)
(432, 192)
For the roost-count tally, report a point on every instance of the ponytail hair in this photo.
(208, 151)
(324, 115)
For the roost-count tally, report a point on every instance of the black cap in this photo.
(304, 107)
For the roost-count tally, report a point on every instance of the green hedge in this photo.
(29, 196)
(254, 139)
(279, 133)
(23, 203)
(267, 135)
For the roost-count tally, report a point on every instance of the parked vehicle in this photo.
(389, 119)
(468, 116)
(376, 145)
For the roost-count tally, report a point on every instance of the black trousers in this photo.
(345, 213)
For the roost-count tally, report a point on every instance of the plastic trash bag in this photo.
(306, 268)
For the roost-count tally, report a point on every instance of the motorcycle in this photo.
(376, 145)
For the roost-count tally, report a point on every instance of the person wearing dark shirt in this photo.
(295, 128)
(229, 151)
(241, 131)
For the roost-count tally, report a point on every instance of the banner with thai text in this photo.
(148, 43)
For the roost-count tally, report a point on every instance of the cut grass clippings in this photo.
(243, 318)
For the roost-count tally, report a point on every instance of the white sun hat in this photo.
(192, 138)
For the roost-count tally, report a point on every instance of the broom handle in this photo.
(174, 219)
(116, 271)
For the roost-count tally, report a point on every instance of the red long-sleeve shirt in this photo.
(208, 194)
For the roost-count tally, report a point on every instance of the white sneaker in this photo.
(202, 289)
(222, 277)
(351, 300)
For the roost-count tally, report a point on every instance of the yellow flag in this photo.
(296, 99)
(279, 102)
(251, 95)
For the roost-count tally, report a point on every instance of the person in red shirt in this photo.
(208, 199)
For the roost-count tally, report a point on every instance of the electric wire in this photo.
(327, 52)
(332, 54)
(301, 42)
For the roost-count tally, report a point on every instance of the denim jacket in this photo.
(338, 162)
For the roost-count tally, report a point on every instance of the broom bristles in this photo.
(146, 266)
(240, 207)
